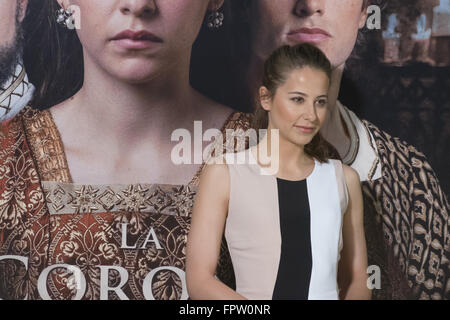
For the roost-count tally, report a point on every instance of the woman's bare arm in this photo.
(353, 263)
(207, 227)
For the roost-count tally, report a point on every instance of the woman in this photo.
(92, 205)
(285, 240)
(406, 211)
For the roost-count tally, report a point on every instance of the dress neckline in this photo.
(264, 171)
(48, 148)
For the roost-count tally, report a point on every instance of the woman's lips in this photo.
(314, 35)
(134, 44)
(130, 39)
(305, 129)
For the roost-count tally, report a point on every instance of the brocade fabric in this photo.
(59, 240)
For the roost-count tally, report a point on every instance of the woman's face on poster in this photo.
(166, 31)
(330, 25)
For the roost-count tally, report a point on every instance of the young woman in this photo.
(91, 204)
(405, 207)
(285, 232)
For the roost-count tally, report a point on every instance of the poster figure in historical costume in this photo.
(91, 204)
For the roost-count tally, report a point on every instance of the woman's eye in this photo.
(322, 102)
(297, 99)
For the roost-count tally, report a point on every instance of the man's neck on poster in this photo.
(334, 129)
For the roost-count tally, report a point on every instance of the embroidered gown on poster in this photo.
(59, 240)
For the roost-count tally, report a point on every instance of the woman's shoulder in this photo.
(214, 177)
(350, 175)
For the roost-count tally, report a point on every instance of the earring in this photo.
(215, 20)
(65, 18)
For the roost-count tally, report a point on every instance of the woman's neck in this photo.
(129, 111)
(290, 159)
(115, 132)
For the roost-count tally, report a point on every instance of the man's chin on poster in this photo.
(15, 89)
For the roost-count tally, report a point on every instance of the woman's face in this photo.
(330, 25)
(167, 29)
(299, 106)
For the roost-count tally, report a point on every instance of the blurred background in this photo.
(401, 80)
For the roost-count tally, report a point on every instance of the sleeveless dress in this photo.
(285, 237)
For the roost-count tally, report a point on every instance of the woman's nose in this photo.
(310, 113)
(306, 8)
(139, 8)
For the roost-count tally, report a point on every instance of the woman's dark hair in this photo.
(277, 68)
(53, 55)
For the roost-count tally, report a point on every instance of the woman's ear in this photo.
(23, 9)
(64, 3)
(215, 5)
(265, 98)
(363, 17)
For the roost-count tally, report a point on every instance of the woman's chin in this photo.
(300, 141)
(135, 75)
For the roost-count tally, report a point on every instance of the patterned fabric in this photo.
(70, 198)
(59, 240)
(15, 93)
(407, 223)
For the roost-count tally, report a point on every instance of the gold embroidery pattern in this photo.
(23, 221)
(411, 212)
(66, 198)
(46, 145)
